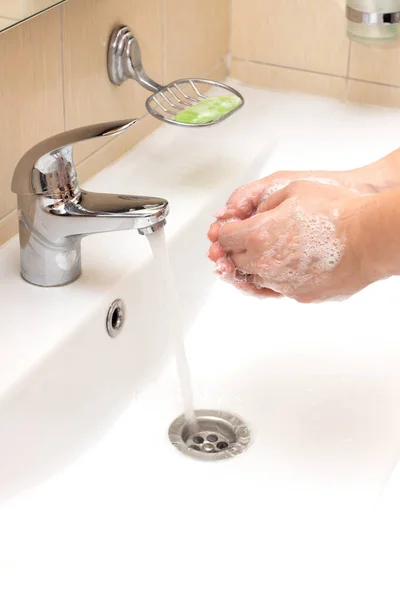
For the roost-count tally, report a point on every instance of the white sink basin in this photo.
(92, 489)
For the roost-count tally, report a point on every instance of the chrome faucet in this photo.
(55, 213)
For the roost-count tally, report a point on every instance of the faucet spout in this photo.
(91, 213)
(55, 213)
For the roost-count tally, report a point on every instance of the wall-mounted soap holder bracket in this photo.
(166, 102)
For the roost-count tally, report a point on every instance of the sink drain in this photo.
(217, 435)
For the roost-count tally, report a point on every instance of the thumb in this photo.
(275, 199)
(244, 201)
(233, 237)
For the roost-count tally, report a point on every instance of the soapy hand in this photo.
(301, 239)
(244, 203)
(245, 200)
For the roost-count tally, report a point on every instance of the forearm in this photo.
(382, 174)
(380, 233)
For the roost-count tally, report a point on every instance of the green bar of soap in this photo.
(208, 110)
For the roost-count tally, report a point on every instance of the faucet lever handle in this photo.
(22, 181)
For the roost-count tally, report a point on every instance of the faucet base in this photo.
(49, 264)
(39, 282)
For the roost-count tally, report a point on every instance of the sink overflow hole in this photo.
(115, 318)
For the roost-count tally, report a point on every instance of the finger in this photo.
(223, 213)
(216, 252)
(244, 201)
(252, 283)
(251, 289)
(233, 237)
(274, 200)
(214, 231)
(244, 275)
(262, 283)
(225, 269)
(242, 262)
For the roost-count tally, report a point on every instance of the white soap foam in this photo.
(309, 248)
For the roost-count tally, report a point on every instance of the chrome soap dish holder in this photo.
(166, 102)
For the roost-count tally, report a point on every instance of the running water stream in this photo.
(159, 248)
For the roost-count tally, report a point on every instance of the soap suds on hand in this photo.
(308, 249)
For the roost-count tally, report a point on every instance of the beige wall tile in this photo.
(34, 6)
(20, 9)
(112, 150)
(89, 95)
(379, 65)
(8, 226)
(306, 34)
(196, 36)
(218, 73)
(4, 23)
(31, 102)
(372, 93)
(13, 9)
(288, 79)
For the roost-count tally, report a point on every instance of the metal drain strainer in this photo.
(217, 435)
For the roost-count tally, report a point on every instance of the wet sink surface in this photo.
(324, 418)
(317, 385)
